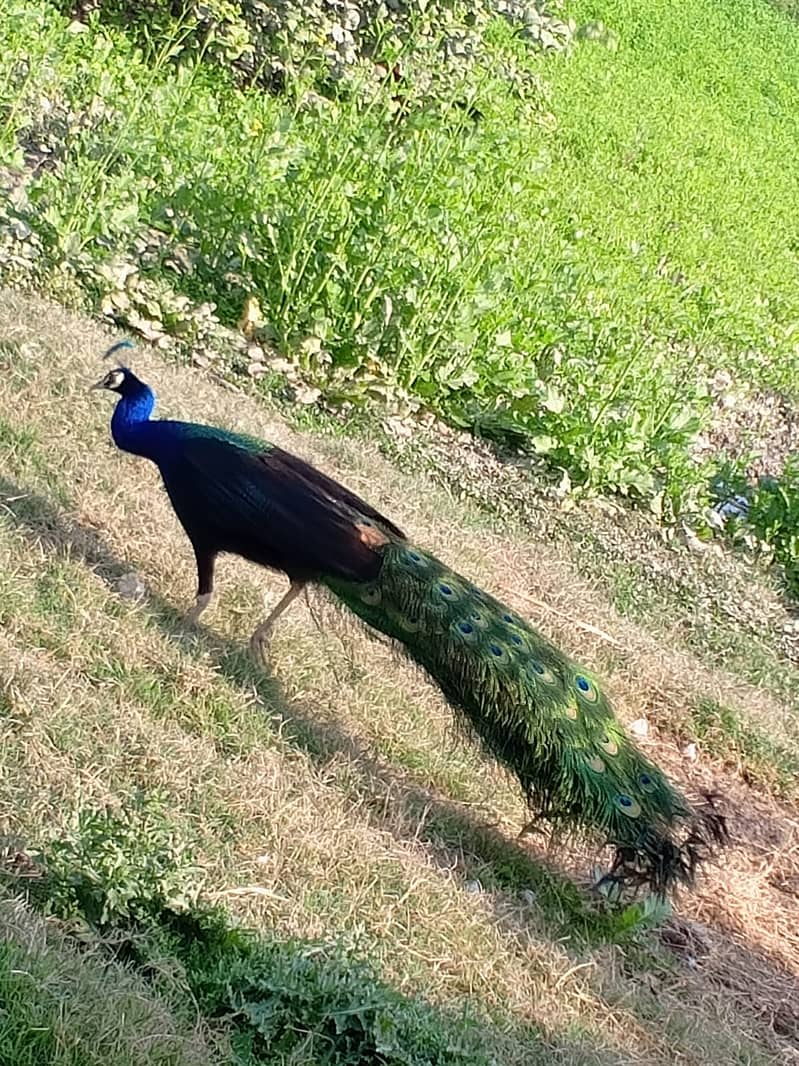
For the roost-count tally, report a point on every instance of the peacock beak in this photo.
(101, 384)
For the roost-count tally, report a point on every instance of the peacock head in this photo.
(137, 399)
(120, 380)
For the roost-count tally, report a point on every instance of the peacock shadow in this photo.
(392, 800)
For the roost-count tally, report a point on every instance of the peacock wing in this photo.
(274, 511)
(294, 467)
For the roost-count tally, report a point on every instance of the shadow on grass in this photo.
(442, 823)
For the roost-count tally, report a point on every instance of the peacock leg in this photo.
(532, 827)
(260, 637)
(202, 601)
(205, 583)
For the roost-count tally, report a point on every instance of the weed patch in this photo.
(546, 249)
(126, 874)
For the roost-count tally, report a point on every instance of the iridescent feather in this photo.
(539, 714)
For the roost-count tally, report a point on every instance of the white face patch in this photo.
(113, 379)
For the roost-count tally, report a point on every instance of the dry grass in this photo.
(728, 614)
(331, 798)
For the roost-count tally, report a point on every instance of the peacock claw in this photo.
(531, 828)
(259, 644)
(192, 616)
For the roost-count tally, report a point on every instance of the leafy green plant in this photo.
(505, 241)
(114, 867)
(288, 997)
(128, 871)
(774, 517)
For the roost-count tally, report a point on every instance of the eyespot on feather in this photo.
(607, 744)
(570, 711)
(596, 764)
(627, 805)
(415, 559)
(464, 630)
(586, 689)
(497, 653)
(372, 596)
(647, 782)
(542, 673)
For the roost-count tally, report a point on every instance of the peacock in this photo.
(540, 715)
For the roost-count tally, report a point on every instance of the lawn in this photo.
(327, 804)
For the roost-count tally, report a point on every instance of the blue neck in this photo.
(131, 427)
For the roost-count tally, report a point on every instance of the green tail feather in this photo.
(538, 714)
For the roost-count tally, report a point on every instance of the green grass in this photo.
(744, 646)
(163, 693)
(565, 273)
(661, 143)
(569, 270)
(67, 1006)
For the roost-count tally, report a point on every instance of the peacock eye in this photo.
(542, 673)
(586, 689)
(627, 805)
(464, 630)
(416, 558)
(607, 744)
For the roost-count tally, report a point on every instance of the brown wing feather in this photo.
(296, 467)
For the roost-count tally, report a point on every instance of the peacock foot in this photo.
(532, 828)
(200, 604)
(259, 643)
